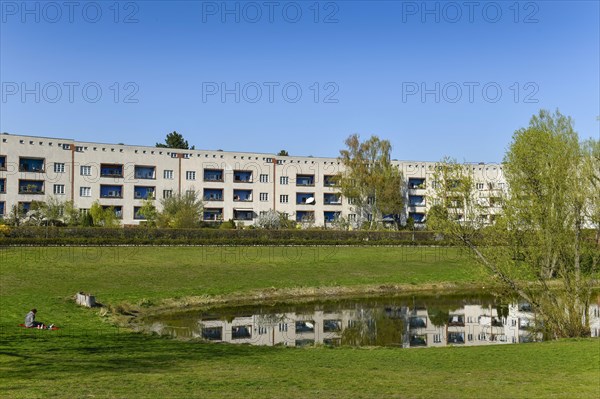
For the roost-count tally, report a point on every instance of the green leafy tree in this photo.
(283, 153)
(149, 212)
(181, 211)
(175, 140)
(370, 180)
(541, 233)
(104, 217)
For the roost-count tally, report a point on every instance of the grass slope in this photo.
(89, 358)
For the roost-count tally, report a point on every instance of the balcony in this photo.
(243, 214)
(240, 332)
(305, 326)
(418, 340)
(141, 192)
(111, 191)
(242, 176)
(332, 199)
(416, 183)
(31, 187)
(145, 172)
(418, 322)
(305, 216)
(305, 198)
(136, 213)
(456, 338)
(242, 195)
(416, 200)
(213, 194)
(330, 180)
(111, 170)
(118, 210)
(215, 175)
(418, 217)
(23, 208)
(305, 180)
(212, 333)
(456, 320)
(35, 165)
(332, 325)
(213, 214)
(331, 216)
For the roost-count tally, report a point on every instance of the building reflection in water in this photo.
(402, 326)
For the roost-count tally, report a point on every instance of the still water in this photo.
(415, 321)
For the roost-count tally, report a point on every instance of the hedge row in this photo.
(145, 236)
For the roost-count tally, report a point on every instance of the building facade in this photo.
(233, 185)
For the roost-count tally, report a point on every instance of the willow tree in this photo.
(541, 246)
(370, 181)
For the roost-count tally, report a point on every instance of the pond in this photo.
(401, 321)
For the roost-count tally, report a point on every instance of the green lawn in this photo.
(91, 358)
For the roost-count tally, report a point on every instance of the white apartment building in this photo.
(233, 185)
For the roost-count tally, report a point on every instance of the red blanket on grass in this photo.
(45, 328)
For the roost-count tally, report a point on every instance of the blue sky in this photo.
(434, 78)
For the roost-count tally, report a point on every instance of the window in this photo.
(86, 170)
(59, 189)
(264, 178)
(284, 198)
(2, 162)
(437, 338)
(190, 175)
(85, 191)
(480, 186)
(168, 174)
(167, 193)
(351, 201)
(59, 167)
(283, 180)
(264, 196)
(2, 186)
(501, 186)
(352, 217)
(2, 207)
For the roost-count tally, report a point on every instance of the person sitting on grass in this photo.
(30, 319)
(31, 323)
